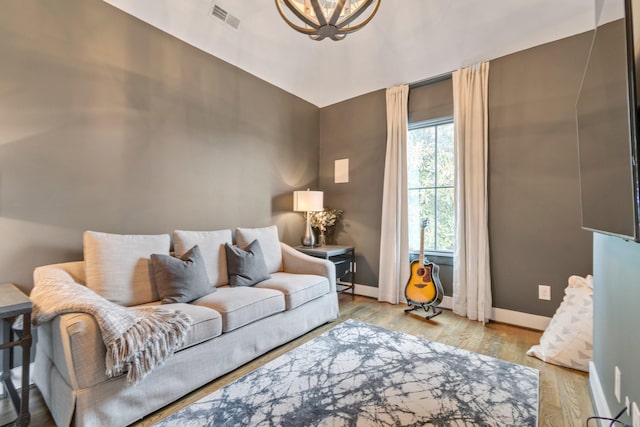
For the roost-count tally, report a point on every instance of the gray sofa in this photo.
(230, 327)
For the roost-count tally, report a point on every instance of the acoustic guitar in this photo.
(424, 289)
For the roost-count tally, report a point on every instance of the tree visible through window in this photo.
(431, 172)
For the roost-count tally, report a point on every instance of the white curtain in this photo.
(471, 274)
(394, 241)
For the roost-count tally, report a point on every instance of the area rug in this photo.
(358, 374)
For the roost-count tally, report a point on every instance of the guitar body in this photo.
(424, 287)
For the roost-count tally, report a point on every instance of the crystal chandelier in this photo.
(327, 18)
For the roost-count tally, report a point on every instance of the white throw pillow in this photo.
(568, 340)
(269, 243)
(211, 244)
(117, 265)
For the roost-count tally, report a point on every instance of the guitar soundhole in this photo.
(421, 271)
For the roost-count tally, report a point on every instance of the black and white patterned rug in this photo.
(358, 374)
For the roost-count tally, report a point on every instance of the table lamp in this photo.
(308, 201)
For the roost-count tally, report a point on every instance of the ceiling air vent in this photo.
(221, 14)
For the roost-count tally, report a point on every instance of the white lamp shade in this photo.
(308, 201)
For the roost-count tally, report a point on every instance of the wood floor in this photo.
(564, 395)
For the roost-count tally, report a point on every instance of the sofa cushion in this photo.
(87, 347)
(246, 266)
(211, 244)
(117, 265)
(297, 288)
(181, 279)
(269, 242)
(242, 305)
(207, 323)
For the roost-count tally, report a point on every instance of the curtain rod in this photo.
(430, 80)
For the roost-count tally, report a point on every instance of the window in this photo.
(431, 172)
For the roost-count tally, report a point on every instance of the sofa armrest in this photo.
(72, 341)
(294, 261)
(74, 344)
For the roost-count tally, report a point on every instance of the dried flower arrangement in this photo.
(324, 220)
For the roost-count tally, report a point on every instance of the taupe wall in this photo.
(430, 101)
(357, 130)
(107, 123)
(535, 228)
(534, 194)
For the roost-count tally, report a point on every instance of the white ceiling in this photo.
(407, 41)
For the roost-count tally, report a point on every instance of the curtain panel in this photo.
(471, 272)
(394, 236)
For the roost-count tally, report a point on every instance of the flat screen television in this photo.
(607, 123)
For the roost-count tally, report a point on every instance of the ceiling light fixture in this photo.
(327, 18)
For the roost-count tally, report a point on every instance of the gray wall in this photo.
(356, 129)
(616, 273)
(534, 193)
(535, 229)
(430, 101)
(107, 123)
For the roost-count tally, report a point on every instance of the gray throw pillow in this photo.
(246, 267)
(181, 279)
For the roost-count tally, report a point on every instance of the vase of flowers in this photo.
(323, 221)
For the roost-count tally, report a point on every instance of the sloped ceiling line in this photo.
(407, 41)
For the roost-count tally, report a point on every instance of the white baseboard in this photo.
(366, 291)
(597, 395)
(447, 302)
(526, 320)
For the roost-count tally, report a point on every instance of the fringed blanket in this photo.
(137, 339)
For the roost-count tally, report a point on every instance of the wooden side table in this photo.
(344, 257)
(14, 303)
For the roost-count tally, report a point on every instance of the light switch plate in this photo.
(544, 292)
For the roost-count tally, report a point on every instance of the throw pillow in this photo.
(269, 243)
(117, 265)
(568, 340)
(181, 279)
(246, 267)
(211, 244)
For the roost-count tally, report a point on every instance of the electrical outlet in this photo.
(544, 292)
(636, 415)
(617, 385)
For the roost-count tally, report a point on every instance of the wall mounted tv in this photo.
(608, 123)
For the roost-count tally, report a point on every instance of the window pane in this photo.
(421, 146)
(445, 219)
(431, 174)
(421, 206)
(446, 166)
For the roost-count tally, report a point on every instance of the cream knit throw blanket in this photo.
(137, 339)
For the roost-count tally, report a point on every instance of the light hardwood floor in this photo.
(564, 394)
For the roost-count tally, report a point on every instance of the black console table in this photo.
(14, 303)
(344, 257)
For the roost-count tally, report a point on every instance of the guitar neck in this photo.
(421, 258)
